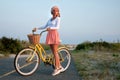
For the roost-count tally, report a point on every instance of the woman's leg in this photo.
(54, 48)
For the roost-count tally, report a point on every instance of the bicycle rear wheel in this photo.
(26, 62)
(65, 57)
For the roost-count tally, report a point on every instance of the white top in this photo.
(52, 24)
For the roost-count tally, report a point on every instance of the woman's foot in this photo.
(61, 69)
(56, 72)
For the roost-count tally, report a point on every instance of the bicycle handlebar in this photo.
(40, 32)
(43, 32)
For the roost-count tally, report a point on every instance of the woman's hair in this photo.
(55, 7)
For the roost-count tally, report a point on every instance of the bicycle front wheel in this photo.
(65, 57)
(26, 62)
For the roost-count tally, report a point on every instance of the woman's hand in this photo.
(34, 30)
(48, 29)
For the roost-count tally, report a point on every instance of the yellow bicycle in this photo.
(27, 60)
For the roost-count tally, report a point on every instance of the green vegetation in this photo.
(99, 46)
(98, 60)
(9, 45)
(13, 46)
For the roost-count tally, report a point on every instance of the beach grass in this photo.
(100, 65)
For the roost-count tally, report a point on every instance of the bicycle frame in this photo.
(43, 55)
(40, 51)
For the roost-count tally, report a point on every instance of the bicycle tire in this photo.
(24, 64)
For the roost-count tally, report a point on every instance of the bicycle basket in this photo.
(34, 38)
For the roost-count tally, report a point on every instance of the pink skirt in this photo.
(52, 37)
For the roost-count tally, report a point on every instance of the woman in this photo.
(53, 38)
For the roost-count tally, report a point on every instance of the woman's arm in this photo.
(39, 28)
(43, 27)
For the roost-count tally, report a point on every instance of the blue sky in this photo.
(81, 20)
